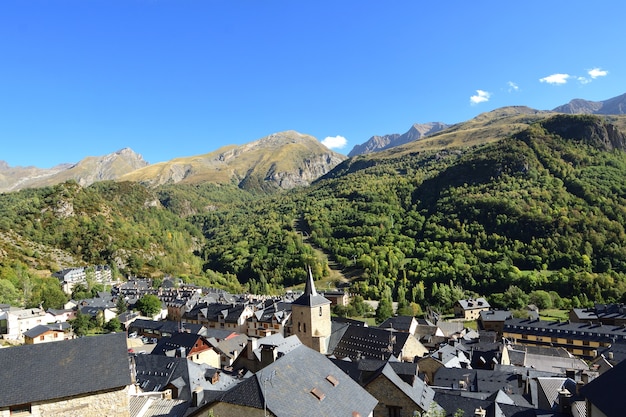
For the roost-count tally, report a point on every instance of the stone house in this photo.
(272, 317)
(470, 309)
(282, 389)
(85, 377)
(396, 397)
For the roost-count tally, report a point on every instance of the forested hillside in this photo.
(540, 213)
(537, 212)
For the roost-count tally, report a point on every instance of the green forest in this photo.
(535, 217)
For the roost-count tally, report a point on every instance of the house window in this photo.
(304, 327)
(20, 410)
(394, 411)
(299, 327)
(42, 337)
(321, 313)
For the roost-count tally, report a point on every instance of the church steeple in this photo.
(310, 297)
(309, 288)
(310, 317)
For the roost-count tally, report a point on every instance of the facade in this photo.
(470, 309)
(310, 318)
(86, 377)
(19, 321)
(337, 297)
(580, 339)
(270, 319)
(71, 277)
(493, 320)
(48, 333)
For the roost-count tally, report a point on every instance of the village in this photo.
(210, 353)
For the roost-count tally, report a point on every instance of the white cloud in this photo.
(597, 72)
(480, 97)
(512, 86)
(335, 142)
(555, 79)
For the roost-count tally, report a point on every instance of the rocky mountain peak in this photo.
(380, 143)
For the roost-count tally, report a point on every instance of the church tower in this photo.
(310, 317)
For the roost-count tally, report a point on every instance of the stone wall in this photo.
(231, 410)
(387, 395)
(103, 404)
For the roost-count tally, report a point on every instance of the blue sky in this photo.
(172, 78)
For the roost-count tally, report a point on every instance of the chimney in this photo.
(268, 355)
(480, 412)
(610, 356)
(197, 396)
(253, 344)
(565, 401)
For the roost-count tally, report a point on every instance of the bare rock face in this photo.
(281, 160)
(590, 129)
(85, 172)
(380, 143)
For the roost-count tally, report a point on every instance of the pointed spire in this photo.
(309, 287)
(310, 297)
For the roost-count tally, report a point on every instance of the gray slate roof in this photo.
(606, 391)
(44, 372)
(369, 342)
(287, 390)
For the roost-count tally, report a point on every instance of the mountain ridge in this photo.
(313, 160)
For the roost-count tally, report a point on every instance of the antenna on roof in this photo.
(268, 378)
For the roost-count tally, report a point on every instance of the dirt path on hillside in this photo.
(338, 276)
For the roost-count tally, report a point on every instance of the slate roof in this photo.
(564, 329)
(473, 303)
(289, 392)
(494, 315)
(310, 297)
(616, 350)
(361, 370)
(401, 323)
(144, 406)
(44, 372)
(154, 373)
(369, 342)
(418, 392)
(601, 392)
(175, 342)
(480, 380)
(164, 326)
(43, 328)
(451, 401)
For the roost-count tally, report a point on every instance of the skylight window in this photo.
(332, 380)
(317, 393)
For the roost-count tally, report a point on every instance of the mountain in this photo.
(279, 161)
(447, 134)
(615, 105)
(85, 172)
(379, 143)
